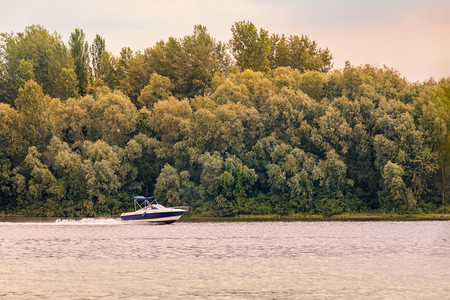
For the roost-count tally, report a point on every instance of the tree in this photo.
(9, 143)
(46, 52)
(133, 73)
(102, 176)
(167, 59)
(107, 70)
(331, 174)
(190, 62)
(25, 71)
(59, 62)
(173, 119)
(211, 170)
(74, 120)
(34, 123)
(9, 135)
(40, 193)
(286, 77)
(305, 55)
(433, 110)
(79, 50)
(113, 115)
(170, 186)
(230, 92)
(158, 88)
(237, 179)
(68, 167)
(202, 57)
(66, 84)
(312, 83)
(395, 196)
(279, 55)
(96, 49)
(250, 48)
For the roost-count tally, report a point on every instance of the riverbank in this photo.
(307, 218)
(261, 218)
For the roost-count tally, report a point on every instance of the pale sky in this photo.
(410, 36)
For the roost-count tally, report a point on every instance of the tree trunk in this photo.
(145, 183)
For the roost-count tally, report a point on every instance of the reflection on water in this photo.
(104, 258)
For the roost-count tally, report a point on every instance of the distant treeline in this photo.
(258, 125)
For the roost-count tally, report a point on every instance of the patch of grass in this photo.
(365, 216)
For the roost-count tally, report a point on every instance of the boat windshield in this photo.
(157, 206)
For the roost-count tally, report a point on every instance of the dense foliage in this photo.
(260, 125)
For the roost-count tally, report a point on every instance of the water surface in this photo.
(95, 259)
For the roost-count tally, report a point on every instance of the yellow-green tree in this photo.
(34, 123)
(79, 50)
(250, 48)
(158, 88)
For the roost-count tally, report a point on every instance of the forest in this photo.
(261, 124)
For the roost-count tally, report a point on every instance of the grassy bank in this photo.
(367, 216)
(302, 217)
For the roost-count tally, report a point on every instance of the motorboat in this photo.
(148, 210)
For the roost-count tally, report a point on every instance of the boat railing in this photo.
(145, 204)
(141, 205)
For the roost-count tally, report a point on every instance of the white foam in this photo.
(74, 222)
(88, 221)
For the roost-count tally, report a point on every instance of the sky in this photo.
(410, 36)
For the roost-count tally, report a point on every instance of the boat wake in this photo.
(70, 222)
(88, 221)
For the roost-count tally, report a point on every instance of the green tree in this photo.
(331, 174)
(36, 45)
(133, 73)
(250, 48)
(173, 187)
(58, 60)
(9, 143)
(9, 131)
(25, 71)
(69, 168)
(202, 57)
(190, 62)
(312, 83)
(79, 50)
(305, 55)
(433, 110)
(40, 193)
(34, 122)
(66, 84)
(280, 55)
(230, 92)
(74, 120)
(114, 115)
(173, 119)
(395, 196)
(286, 77)
(96, 49)
(211, 170)
(107, 70)
(102, 176)
(158, 88)
(237, 180)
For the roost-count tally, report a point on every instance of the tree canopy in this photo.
(258, 125)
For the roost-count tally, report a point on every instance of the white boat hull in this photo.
(165, 216)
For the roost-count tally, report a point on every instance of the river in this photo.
(106, 259)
